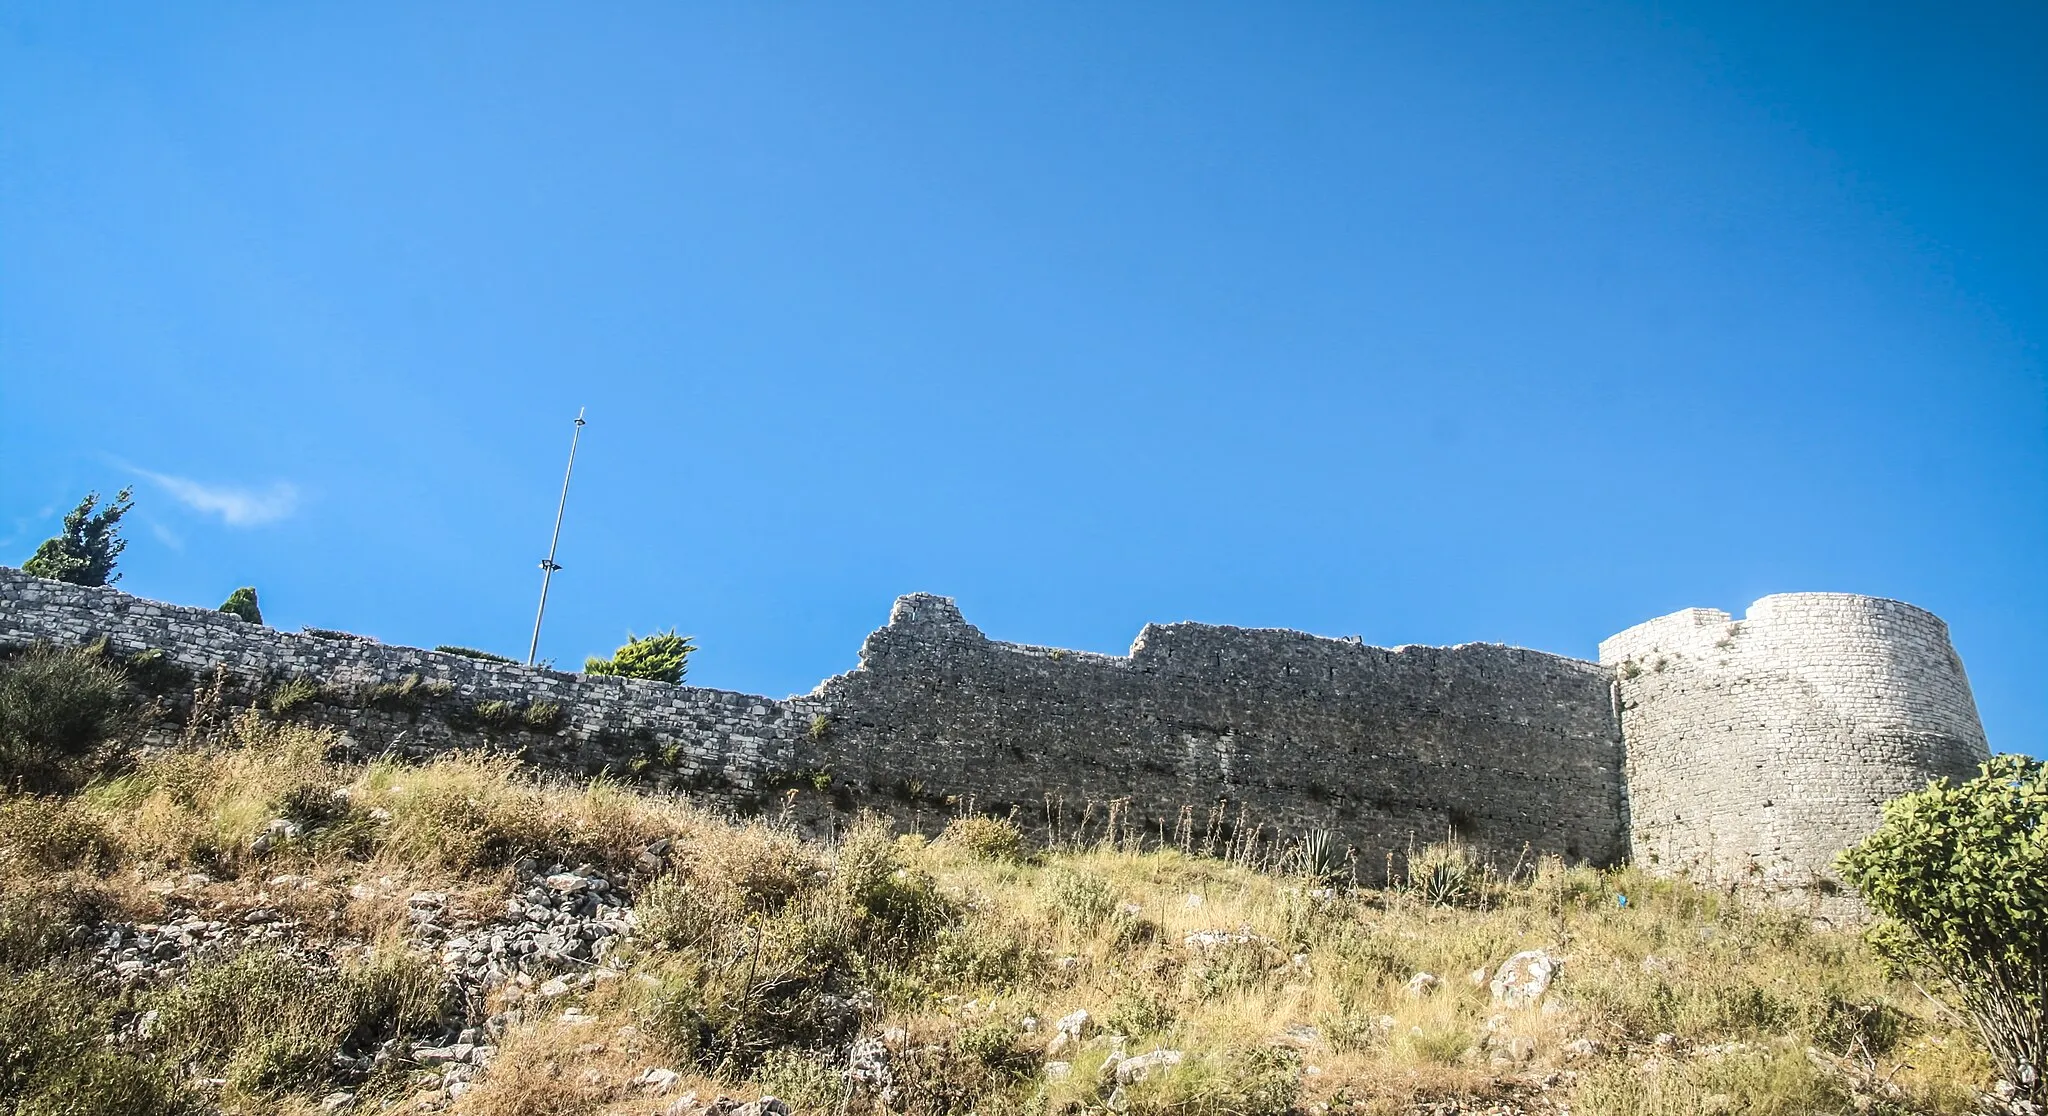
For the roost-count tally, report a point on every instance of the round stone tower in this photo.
(1759, 748)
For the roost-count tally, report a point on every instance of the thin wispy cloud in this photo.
(236, 506)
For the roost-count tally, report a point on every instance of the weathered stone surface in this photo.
(1755, 749)
(1759, 748)
(1523, 978)
(1391, 748)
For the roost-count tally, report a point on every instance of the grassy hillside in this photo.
(243, 926)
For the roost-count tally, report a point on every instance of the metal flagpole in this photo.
(547, 565)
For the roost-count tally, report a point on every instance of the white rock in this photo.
(658, 1079)
(1075, 1025)
(1210, 939)
(1058, 1071)
(1422, 984)
(1523, 978)
(337, 1102)
(1584, 1048)
(1141, 1067)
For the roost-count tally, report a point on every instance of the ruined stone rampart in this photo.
(1754, 749)
(1506, 748)
(384, 698)
(1759, 748)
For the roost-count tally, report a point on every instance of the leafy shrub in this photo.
(541, 716)
(981, 956)
(495, 714)
(1138, 1012)
(57, 706)
(242, 603)
(986, 838)
(1959, 874)
(662, 657)
(903, 907)
(155, 673)
(1869, 1028)
(290, 694)
(408, 694)
(1083, 899)
(85, 551)
(473, 653)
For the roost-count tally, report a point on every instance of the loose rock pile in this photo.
(562, 921)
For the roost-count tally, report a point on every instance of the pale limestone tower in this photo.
(1757, 749)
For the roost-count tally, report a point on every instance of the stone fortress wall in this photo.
(1753, 749)
(1759, 748)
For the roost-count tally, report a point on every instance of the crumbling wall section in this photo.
(1760, 748)
(388, 699)
(1513, 751)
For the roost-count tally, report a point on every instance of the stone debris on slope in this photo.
(562, 920)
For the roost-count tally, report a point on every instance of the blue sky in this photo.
(1427, 322)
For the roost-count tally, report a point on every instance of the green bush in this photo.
(292, 693)
(84, 553)
(242, 603)
(58, 706)
(408, 694)
(495, 714)
(542, 716)
(1084, 899)
(662, 657)
(1959, 875)
(985, 838)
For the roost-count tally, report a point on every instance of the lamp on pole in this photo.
(547, 564)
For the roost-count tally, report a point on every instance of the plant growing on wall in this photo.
(1959, 874)
(662, 657)
(84, 552)
(242, 603)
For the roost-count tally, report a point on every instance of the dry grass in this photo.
(762, 960)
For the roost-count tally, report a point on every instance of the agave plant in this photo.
(1443, 875)
(1318, 857)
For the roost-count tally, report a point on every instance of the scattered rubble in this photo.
(1212, 939)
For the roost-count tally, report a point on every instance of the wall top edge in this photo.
(1686, 625)
(942, 614)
